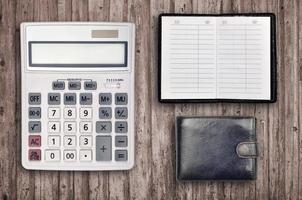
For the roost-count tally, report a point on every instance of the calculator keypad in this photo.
(73, 133)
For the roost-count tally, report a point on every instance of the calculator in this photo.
(77, 95)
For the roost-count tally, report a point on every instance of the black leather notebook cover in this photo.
(273, 60)
(216, 148)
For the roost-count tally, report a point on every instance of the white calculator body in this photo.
(77, 96)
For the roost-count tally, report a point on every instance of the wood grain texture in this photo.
(153, 177)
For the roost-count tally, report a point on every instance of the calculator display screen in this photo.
(77, 54)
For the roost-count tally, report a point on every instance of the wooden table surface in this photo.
(153, 177)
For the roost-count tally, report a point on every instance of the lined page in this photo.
(188, 58)
(215, 58)
(243, 58)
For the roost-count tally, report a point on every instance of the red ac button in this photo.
(34, 141)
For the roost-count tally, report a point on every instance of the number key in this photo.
(70, 127)
(69, 113)
(54, 127)
(70, 155)
(54, 141)
(86, 141)
(69, 141)
(52, 155)
(85, 127)
(85, 113)
(54, 113)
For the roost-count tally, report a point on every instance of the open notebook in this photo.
(217, 58)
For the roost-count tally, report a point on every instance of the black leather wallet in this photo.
(216, 148)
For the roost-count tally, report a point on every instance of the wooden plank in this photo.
(25, 179)
(46, 182)
(291, 100)
(184, 190)
(256, 189)
(80, 179)
(162, 115)
(79, 10)
(8, 136)
(299, 29)
(140, 175)
(98, 181)
(226, 109)
(118, 181)
(65, 185)
(64, 10)
(235, 190)
(153, 177)
(276, 117)
(98, 10)
(210, 189)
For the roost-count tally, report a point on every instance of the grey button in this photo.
(121, 98)
(34, 98)
(34, 127)
(85, 98)
(58, 85)
(103, 127)
(121, 155)
(34, 113)
(90, 85)
(121, 141)
(105, 98)
(74, 85)
(121, 127)
(121, 113)
(105, 113)
(70, 99)
(54, 98)
(103, 148)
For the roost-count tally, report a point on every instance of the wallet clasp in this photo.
(247, 150)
